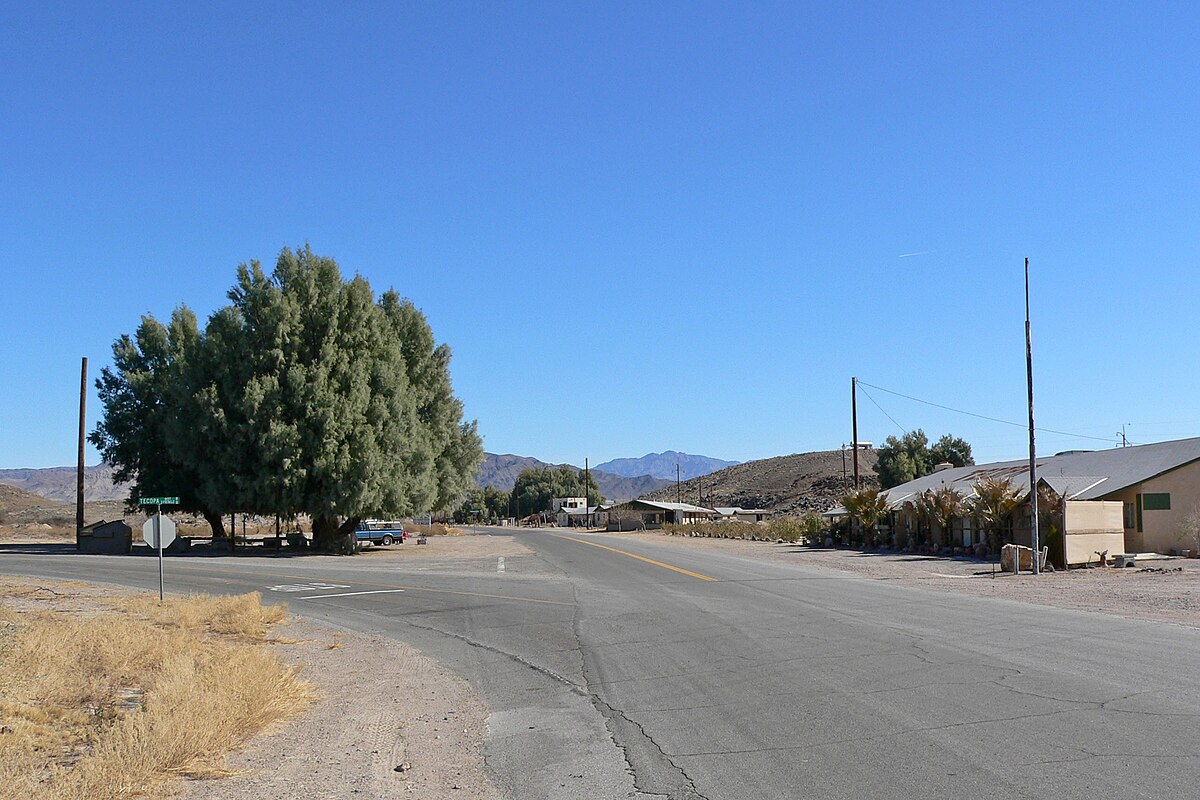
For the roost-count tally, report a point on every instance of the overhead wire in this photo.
(903, 430)
(861, 382)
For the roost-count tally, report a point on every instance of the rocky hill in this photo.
(785, 484)
(58, 483)
(662, 465)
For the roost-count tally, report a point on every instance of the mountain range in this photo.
(663, 465)
(500, 471)
(620, 479)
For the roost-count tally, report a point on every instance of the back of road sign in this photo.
(166, 529)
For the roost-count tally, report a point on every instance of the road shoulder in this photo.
(1167, 591)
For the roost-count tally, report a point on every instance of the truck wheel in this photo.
(385, 541)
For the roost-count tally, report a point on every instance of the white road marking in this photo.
(350, 594)
(306, 587)
(500, 564)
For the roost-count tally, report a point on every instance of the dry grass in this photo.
(112, 703)
(436, 529)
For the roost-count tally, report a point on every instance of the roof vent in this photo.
(942, 466)
(1073, 452)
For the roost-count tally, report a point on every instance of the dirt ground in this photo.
(389, 722)
(1167, 590)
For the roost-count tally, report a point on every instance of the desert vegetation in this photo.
(115, 698)
(808, 529)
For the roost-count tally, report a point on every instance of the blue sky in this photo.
(640, 226)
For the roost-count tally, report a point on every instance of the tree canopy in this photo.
(535, 488)
(909, 457)
(304, 395)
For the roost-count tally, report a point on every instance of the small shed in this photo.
(105, 538)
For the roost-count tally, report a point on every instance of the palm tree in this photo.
(866, 507)
(994, 500)
(941, 507)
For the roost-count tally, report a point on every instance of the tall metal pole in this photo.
(1033, 494)
(158, 543)
(854, 423)
(80, 467)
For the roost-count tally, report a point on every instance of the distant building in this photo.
(557, 503)
(742, 514)
(577, 517)
(652, 514)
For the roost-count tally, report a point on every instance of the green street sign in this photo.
(158, 501)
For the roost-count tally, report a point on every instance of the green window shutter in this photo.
(1159, 501)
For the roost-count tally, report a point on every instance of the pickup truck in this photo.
(382, 532)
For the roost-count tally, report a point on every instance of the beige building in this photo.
(1126, 499)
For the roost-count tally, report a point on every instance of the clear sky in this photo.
(640, 226)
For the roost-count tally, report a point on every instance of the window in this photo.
(1130, 516)
(1160, 501)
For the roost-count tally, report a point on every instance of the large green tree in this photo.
(305, 395)
(146, 395)
(909, 457)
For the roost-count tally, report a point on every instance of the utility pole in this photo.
(854, 423)
(843, 467)
(1033, 493)
(587, 499)
(700, 491)
(80, 467)
(678, 488)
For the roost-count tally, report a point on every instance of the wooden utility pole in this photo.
(80, 466)
(678, 488)
(1034, 539)
(587, 496)
(854, 424)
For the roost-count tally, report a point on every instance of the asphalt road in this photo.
(618, 668)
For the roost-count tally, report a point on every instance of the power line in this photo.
(903, 430)
(981, 416)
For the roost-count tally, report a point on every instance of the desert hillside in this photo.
(784, 484)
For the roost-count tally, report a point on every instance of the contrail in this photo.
(910, 255)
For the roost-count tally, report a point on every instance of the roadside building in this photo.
(1126, 499)
(557, 503)
(742, 514)
(577, 517)
(652, 514)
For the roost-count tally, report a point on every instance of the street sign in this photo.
(158, 501)
(166, 531)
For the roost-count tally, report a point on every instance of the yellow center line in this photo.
(640, 558)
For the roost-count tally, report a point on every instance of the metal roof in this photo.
(1078, 475)
(669, 506)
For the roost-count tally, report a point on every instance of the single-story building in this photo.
(577, 517)
(1157, 487)
(742, 514)
(652, 514)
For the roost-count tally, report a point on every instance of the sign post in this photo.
(159, 531)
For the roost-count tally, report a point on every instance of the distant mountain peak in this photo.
(662, 465)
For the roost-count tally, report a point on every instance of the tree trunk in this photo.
(333, 538)
(216, 523)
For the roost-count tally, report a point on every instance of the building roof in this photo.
(578, 512)
(655, 504)
(1075, 475)
(729, 511)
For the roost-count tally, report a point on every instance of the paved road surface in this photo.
(618, 668)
